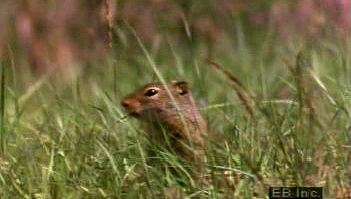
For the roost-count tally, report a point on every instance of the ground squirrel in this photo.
(172, 121)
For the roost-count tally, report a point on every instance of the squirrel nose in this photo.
(126, 103)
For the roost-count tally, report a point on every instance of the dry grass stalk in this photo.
(247, 99)
(304, 82)
(109, 15)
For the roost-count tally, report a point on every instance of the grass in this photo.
(70, 139)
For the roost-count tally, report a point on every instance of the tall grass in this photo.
(71, 139)
(2, 108)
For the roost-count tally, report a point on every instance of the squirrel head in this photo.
(153, 101)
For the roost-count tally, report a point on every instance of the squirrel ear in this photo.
(182, 87)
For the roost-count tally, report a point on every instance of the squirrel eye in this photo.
(151, 92)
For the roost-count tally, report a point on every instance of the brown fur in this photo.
(181, 124)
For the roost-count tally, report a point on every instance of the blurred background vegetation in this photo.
(64, 66)
(64, 33)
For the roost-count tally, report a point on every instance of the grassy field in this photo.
(289, 124)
